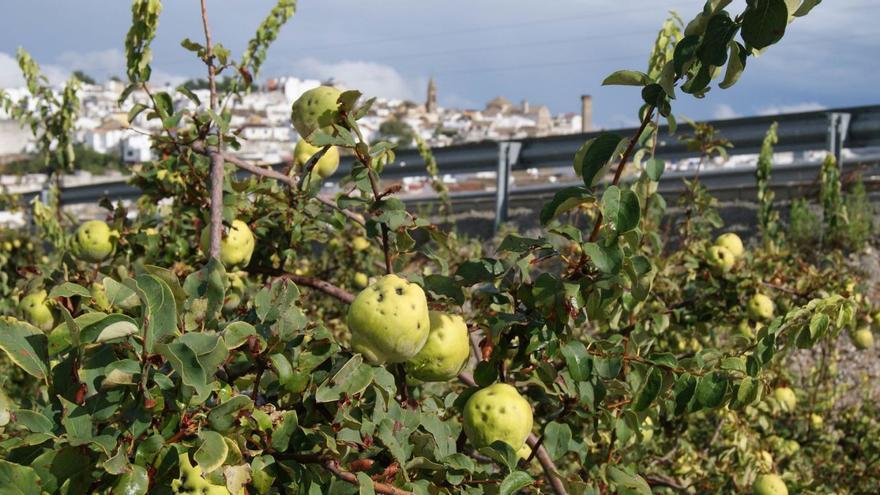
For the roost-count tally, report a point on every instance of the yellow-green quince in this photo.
(787, 399)
(35, 309)
(863, 339)
(720, 258)
(389, 320)
(192, 482)
(733, 244)
(769, 484)
(497, 413)
(236, 247)
(760, 307)
(315, 110)
(94, 241)
(446, 351)
(324, 167)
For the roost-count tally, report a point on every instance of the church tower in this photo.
(431, 103)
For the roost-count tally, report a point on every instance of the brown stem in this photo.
(321, 285)
(620, 166)
(543, 456)
(216, 158)
(385, 489)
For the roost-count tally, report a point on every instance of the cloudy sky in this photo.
(547, 52)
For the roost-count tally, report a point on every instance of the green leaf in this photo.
(26, 346)
(365, 484)
(119, 295)
(627, 78)
(77, 423)
(719, 32)
(606, 259)
(556, 439)
(18, 480)
(683, 391)
(748, 391)
(208, 283)
(685, 52)
(445, 286)
(764, 22)
(735, 65)
(69, 289)
(223, 417)
(806, 7)
(284, 431)
(593, 156)
(655, 168)
(565, 200)
(518, 244)
(111, 327)
(134, 482)
(649, 391)
(621, 208)
(578, 361)
(514, 482)
(608, 367)
(186, 363)
(711, 389)
(160, 310)
(627, 482)
(352, 378)
(212, 451)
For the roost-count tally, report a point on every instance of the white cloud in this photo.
(98, 64)
(807, 106)
(372, 79)
(724, 111)
(10, 73)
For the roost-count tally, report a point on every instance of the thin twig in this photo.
(622, 164)
(321, 285)
(385, 489)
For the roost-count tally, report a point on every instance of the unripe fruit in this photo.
(744, 329)
(760, 307)
(236, 247)
(93, 241)
(446, 351)
(389, 320)
(720, 258)
(36, 311)
(497, 412)
(360, 243)
(765, 461)
(786, 398)
(324, 167)
(191, 480)
(863, 339)
(816, 421)
(99, 295)
(361, 280)
(314, 110)
(769, 484)
(732, 242)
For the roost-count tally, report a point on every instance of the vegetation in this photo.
(224, 340)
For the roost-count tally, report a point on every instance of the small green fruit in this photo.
(389, 320)
(863, 339)
(360, 243)
(361, 280)
(315, 110)
(816, 421)
(720, 258)
(93, 241)
(324, 167)
(99, 296)
(765, 461)
(744, 329)
(446, 351)
(769, 484)
(732, 242)
(787, 399)
(760, 307)
(36, 311)
(497, 412)
(236, 247)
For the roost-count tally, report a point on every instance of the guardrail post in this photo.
(838, 126)
(508, 156)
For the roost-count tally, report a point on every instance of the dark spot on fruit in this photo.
(381, 297)
(399, 291)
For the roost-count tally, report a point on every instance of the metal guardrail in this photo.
(852, 128)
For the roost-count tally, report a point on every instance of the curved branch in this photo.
(321, 285)
(333, 467)
(541, 453)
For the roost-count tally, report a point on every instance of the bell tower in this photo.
(431, 102)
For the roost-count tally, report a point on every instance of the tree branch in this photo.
(622, 164)
(216, 158)
(321, 285)
(541, 453)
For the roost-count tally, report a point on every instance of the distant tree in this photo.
(397, 132)
(199, 83)
(87, 159)
(83, 77)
